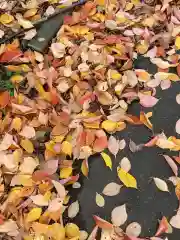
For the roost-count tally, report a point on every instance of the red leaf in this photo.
(152, 142)
(10, 55)
(102, 223)
(163, 227)
(4, 99)
(177, 159)
(100, 144)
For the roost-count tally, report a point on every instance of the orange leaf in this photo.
(177, 191)
(54, 96)
(90, 137)
(177, 159)
(101, 223)
(145, 119)
(39, 175)
(100, 144)
(4, 99)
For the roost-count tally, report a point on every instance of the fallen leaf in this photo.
(161, 184)
(135, 148)
(122, 144)
(178, 98)
(28, 132)
(4, 99)
(50, 166)
(127, 179)
(165, 84)
(101, 223)
(125, 164)
(147, 100)
(73, 209)
(175, 221)
(100, 144)
(26, 24)
(28, 165)
(172, 164)
(66, 148)
(178, 126)
(119, 215)
(59, 188)
(113, 145)
(112, 189)
(163, 227)
(39, 200)
(133, 229)
(107, 160)
(85, 167)
(30, 34)
(34, 215)
(27, 145)
(100, 200)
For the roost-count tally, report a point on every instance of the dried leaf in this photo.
(119, 215)
(59, 188)
(28, 132)
(4, 99)
(133, 229)
(100, 200)
(172, 164)
(28, 166)
(127, 179)
(161, 184)
(107, 160)
(50, 166)
(30, 34)
(125, 164)
(112, 189)
(39, 200)
(147, 100)
(26, 24)
(73, 209)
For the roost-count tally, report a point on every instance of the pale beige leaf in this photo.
(111, 189)
(119, 215)
(29, 164)
(28, 132)
(125, 164)
(39, 200)
(73, 209)
(161, 184)
(133, 229)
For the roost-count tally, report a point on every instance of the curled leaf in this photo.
(85, 167)
(59, 188)
(172, 164)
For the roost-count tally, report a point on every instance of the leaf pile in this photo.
(68, 103)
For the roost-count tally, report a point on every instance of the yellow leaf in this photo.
(6, 18)
(57, 231)
(66, 148)
(115, 75)
(27, 145)
(100, 2)
(65, 172)
(16, 78)
(100, 200)
(107, 160)
(34, 215)
(126, 178)
(177, 42)
(16, 124)
(109, 125)
(85, 167)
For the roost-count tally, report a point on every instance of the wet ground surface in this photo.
(147, 204)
